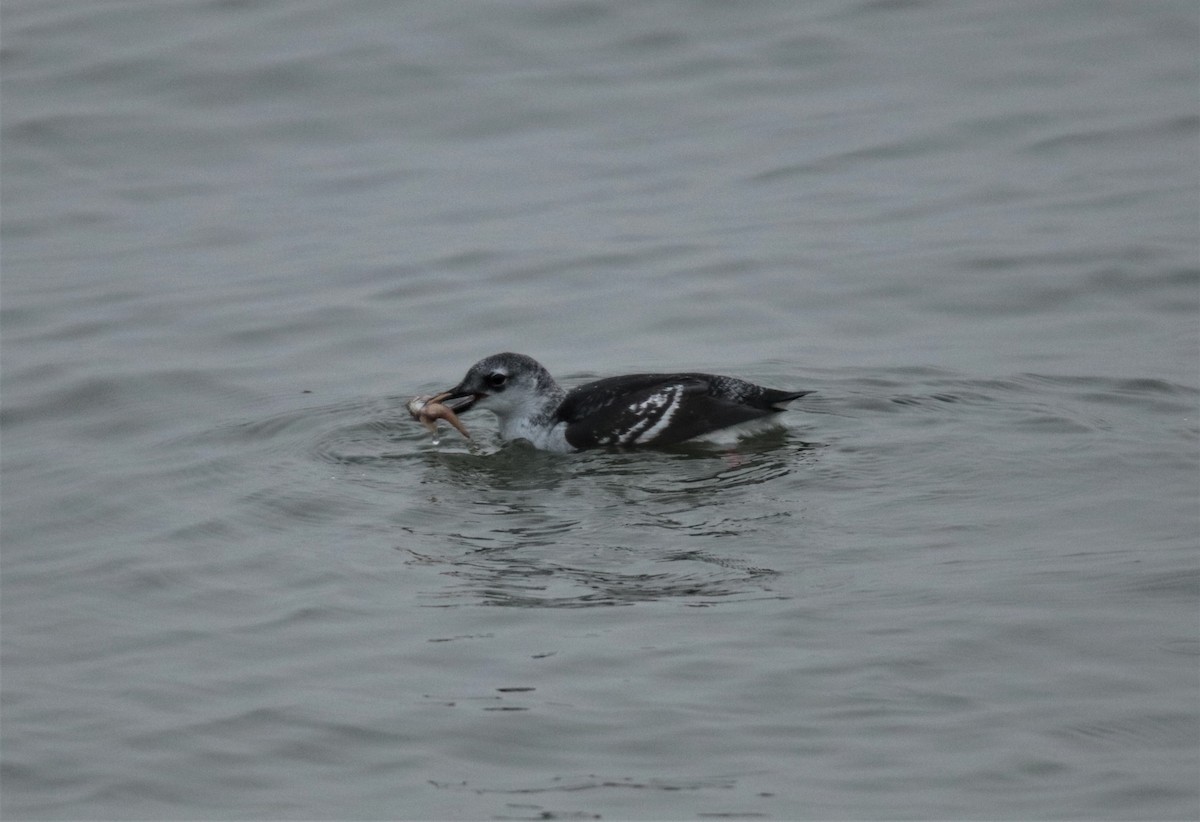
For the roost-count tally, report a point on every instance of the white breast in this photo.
(548, 438)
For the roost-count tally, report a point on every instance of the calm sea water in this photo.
(961, 581)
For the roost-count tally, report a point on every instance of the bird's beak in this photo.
(458, 399)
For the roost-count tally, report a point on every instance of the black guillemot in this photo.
(631, 410)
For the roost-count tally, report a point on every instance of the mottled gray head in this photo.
(506, 384)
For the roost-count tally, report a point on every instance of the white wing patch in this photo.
(653, 415)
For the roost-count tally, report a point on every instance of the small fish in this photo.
(428, 410)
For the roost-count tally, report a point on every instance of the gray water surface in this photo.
(961, 580)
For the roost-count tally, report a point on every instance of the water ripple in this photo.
(527, 580)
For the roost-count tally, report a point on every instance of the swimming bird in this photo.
(635, 409)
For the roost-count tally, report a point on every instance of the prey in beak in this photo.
(428, 410)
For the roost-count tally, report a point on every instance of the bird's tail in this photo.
(778, 400)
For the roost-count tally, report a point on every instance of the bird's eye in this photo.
(496, 379)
